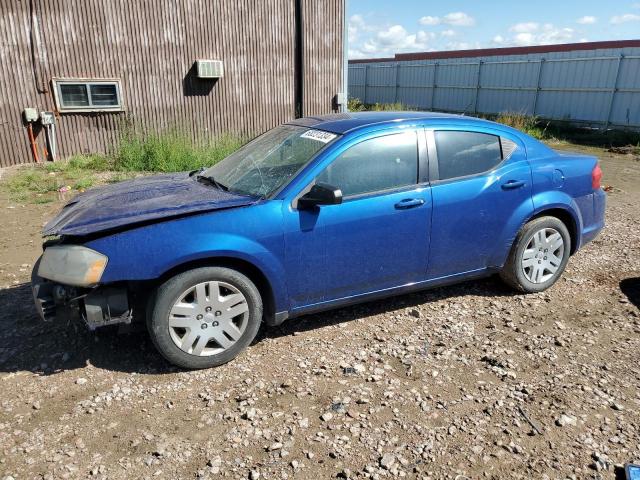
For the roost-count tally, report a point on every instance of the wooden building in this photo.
(205, 66)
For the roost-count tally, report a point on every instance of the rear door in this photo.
(481, 188)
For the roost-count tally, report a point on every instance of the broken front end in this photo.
(66, 283)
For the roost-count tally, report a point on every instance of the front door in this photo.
(378, 238)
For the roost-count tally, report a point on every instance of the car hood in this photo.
(140, 200)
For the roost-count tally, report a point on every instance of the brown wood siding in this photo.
(151, 46)
(322, 48)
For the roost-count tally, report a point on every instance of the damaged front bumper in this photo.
(97, 307)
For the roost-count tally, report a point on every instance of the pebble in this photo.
(566, 419)
(325, 417)
(387, 461)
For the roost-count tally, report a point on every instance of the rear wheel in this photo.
(539, 255)
(205, 317)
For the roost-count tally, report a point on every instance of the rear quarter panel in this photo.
(564, 181)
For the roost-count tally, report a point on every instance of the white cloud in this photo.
(459, 19)
(587, 20)
(462, 45)
(430, 21)
(393, 40)
(396, 35)
(456, 19)
(524, 39)
(524, 27)
(448, 33)
(357, 20)
(627, 17)
(353, 27)
(356, 26)
(532, 33)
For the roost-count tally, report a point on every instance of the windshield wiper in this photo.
(211, 181)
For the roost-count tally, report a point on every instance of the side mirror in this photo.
(320, 194)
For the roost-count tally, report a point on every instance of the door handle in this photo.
(409, 203)
(512, 184)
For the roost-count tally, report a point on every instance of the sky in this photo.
(381, 28)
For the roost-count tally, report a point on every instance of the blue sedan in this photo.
(315, 214)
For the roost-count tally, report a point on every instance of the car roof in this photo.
(342, 123)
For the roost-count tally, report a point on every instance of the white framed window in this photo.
(87, 95)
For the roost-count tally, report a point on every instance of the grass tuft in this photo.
(525, 123)
(35, 180)
(389, 107)
(171, 151)
(356, 105)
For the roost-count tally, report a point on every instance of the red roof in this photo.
(488, 52)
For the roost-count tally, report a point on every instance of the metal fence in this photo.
(598, 89)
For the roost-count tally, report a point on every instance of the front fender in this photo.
(149, 252)
(239, 248)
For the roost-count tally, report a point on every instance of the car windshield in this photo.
(266, 163)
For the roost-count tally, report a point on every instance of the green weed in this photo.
(135, 153)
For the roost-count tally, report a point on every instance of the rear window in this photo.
(466, 153)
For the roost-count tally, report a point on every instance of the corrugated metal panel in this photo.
(151, 46)
(322, 54)
(415, 84)
(599, 87)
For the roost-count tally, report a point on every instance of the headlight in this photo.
(72, 265)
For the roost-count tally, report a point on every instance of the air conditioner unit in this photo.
(209, 68)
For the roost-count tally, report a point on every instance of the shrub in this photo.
(355, 105)
(172, 151)
(528, 124)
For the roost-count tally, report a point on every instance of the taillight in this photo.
(596, 177)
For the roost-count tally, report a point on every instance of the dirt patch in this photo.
(464, 381)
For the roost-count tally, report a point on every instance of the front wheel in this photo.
(204, 317)
(539, 255)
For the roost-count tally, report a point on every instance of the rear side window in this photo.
(466, 153)
(378, 164)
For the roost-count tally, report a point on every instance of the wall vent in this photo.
(210, 68)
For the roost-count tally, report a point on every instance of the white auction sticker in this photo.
(319, 135)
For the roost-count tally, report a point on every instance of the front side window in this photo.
(466, 153)
(373, 165)
(266, 163)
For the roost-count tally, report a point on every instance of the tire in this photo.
(530, 266)
(194, 328)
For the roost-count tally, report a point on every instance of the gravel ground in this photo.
(469, 381)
